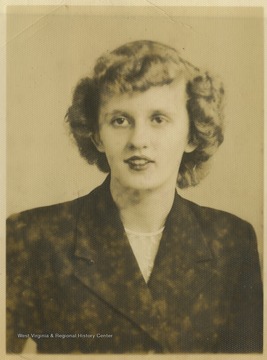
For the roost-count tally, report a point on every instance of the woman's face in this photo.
(144, 136)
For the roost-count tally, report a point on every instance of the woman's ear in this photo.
(97, 142)
(190, 147)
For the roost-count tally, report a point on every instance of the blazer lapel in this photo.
(106, 264)
(183, 266)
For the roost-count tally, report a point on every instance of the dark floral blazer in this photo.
(73, 283)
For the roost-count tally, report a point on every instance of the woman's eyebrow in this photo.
(116, 112)
(161, 112)
(158, 111)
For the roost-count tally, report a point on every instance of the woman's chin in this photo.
(138, 182)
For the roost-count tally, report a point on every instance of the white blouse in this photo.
(145, 247)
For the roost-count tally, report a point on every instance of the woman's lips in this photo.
(138, 162)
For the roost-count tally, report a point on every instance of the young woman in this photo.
(133, 267)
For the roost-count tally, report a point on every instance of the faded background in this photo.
(49, 49)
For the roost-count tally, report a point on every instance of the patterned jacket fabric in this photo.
(73, 283)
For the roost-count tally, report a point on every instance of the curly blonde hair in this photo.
(135, 67)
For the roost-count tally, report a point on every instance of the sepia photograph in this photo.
(134, 184)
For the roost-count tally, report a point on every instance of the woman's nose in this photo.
(139, 136)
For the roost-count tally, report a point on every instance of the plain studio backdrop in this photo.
(50, 48)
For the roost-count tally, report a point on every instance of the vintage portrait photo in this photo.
(134, 185)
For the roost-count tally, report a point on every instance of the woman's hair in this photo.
(135, 67)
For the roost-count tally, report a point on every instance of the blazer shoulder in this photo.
(67, 208)
(42, 212)
(227, 235)
(223, 226)
(61, 216)
(216, 217)
(51, 221)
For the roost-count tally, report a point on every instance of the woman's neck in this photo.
(143, 210)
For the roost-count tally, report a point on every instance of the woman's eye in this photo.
(120, 121)
(158, 119)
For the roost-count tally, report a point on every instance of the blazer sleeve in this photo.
(245, 333)
(21, 299)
